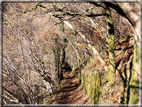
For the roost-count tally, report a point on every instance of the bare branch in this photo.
(96, 53)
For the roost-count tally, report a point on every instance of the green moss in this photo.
(55, 102)
(134, 79)
(134, 92)
(82, 80)
(35, 6)
(60, 86)
(92, 86)
(110, 27)
(134, 97)
(88, 80)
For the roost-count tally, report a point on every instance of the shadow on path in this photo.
(71, 92)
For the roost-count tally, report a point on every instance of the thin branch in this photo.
(134, 19)
(96, 53)
(16, 72)
(74, 49)
(15, 99)
(95, 25)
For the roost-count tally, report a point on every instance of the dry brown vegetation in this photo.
(40, 50)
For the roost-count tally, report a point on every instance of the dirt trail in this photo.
(72, 92)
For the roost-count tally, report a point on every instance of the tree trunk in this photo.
(135, 21)
(110, 28)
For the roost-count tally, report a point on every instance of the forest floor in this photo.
(70, 92)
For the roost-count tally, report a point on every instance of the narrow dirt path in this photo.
(71, 92)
